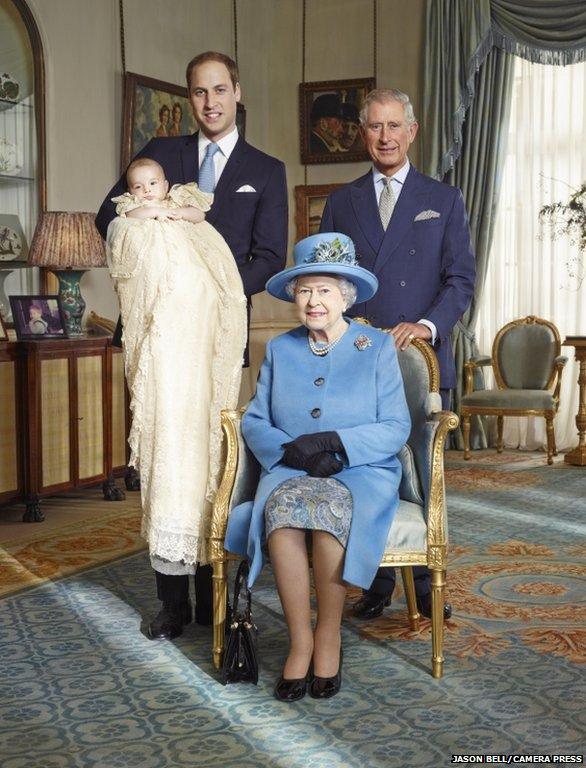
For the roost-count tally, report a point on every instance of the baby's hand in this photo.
(147, 212)
(189, 213)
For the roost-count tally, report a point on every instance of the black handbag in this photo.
(241, 654)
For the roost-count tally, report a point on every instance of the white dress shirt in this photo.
(397, 181)
(226, 146)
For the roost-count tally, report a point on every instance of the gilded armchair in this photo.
(528, 369)
(419, 533)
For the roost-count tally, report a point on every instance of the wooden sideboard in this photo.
(63, 419)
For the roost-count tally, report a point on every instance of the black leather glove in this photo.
(298, 451)
(323, 465)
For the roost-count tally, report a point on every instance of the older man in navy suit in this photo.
(250, 212)
(412, 232)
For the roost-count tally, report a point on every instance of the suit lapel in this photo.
(228, 174)
(190, 159)
(363, 199)
(408, 204)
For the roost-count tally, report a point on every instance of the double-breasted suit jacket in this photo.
(356, 390)
(253, 223)
(423, 261)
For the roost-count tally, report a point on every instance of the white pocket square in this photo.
(246, 188)
(425, 215)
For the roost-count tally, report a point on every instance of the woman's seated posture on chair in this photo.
(327, 421)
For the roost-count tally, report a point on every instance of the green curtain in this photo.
(459, 36)
(478, 173)
(468, 63)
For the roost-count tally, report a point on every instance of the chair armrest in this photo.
(559, 363)
(437, 519)
(238, 483)
(477, 361)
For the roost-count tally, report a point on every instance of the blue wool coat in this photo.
(359, 394)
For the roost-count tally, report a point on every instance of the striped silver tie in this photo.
(386, 203)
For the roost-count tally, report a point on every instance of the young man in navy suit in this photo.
(250, 212)
(412, 232)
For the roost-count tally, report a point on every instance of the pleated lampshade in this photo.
(67, 241)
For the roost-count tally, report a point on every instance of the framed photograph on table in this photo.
(154, 108)
(329, 118)
(310, 201)
(38, 317)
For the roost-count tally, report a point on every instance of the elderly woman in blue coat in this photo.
(326, 423)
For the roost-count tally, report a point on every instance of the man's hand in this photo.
(404, 333)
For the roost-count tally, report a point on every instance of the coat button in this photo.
(318, 382)
(401, 317)
(412, 252)
(316, 413)
(403, 283)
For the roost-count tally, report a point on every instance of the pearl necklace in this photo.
(325, 348)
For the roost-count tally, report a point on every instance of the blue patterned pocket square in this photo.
(425, 215)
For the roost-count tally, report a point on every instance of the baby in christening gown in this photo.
(184, 319)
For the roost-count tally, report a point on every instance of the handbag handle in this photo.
(240, 584)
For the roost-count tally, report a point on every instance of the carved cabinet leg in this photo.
(110, 491)
(33, 512)
(132, 479)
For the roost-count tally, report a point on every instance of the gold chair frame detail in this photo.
(434, 556)
(555, 378)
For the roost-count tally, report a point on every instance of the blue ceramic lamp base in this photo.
(72, 301)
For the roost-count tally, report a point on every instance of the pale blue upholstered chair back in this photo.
(525, 356)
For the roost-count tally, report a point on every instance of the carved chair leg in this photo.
(409, 586)
(466, 435)
(500, 443)
(551, 449)
(220, 595)
(438, 583)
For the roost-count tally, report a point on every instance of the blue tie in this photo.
(207, 173)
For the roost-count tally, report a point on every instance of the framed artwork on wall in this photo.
(310, 201)
(38, 317)
(153, 108)
(329, 120)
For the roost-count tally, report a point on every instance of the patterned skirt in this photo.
(311, 503)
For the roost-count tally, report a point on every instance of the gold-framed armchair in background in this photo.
(419, 533)
(527, 367)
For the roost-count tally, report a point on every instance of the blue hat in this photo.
(329, 253)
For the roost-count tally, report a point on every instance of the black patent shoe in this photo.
(291, 690)
(424, 607)
(326, 687)
(169, 621)
(370, 606)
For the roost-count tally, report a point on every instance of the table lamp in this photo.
(68, 244)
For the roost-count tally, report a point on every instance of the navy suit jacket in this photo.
(254, 224)
(425, 267)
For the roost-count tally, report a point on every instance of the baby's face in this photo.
(147, 183)
(35, 313)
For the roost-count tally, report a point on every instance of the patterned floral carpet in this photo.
(80, 686)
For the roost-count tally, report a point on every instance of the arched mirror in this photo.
(22, 147)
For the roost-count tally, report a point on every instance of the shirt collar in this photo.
(399, 177)
(226, 143)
